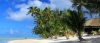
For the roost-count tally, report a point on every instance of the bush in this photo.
(95, 32)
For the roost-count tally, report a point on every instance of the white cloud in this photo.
(21, 13)
(61, 4)
(29, 27)
(11, 31)
(15, 31)
(18, 15)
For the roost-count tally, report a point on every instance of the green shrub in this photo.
(94, 32)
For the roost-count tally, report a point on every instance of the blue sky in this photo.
(13, 19)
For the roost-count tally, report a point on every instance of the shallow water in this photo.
(6, 39)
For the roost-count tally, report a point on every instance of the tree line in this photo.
(64, 22)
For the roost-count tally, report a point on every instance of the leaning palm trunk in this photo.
(66, 35)
(51, 35)
(45, 36)
(56, 36)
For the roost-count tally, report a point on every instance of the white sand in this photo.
(90, 39)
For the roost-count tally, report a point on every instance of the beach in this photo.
(89, 39)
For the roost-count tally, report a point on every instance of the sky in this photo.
(13, 18)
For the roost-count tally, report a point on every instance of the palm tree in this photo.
(93, 6)
(76, 22)
(49, 20)
(45, 21)
(65, 28)
(79, 4)
(56, 21)
(37, 14)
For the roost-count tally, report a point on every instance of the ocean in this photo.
(5, 39)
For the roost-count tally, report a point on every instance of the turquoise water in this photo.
(4, 39)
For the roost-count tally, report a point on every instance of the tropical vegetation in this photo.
(64, 22)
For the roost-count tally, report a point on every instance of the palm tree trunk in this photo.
(45, 37)
(79, 32)
(91, 15)
(56, 36)
(51, 35)
(66, 35)
(80, 37)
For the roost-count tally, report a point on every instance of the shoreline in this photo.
(59, 40)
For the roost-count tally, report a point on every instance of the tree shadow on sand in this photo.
(91, 40)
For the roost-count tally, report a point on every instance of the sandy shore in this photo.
(90, 39)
